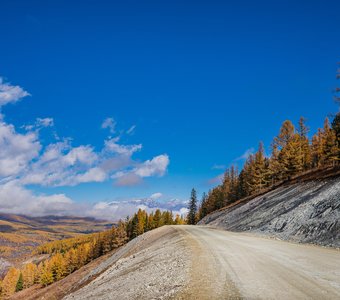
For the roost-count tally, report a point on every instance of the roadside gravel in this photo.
(154, 266)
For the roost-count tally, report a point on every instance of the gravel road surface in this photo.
(242, 266)
(200, 262)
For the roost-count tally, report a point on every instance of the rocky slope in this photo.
(154, 265)
(307, 212)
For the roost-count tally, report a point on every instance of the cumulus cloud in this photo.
(14, 198)
(92, 175)
(62, 165)
(10, 93)
(16, 150)
(109, 123)
(25, 160)
(128, 179)
(154, 167)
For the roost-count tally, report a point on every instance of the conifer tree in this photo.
(192, 208)
(29, 274)
(330, 145)
(140, 222)
(157, 219)
(274, 167)
(10, 281)
(179, 220)
(260, 175)
(287, 131)
(46, 276)
(218, 197)
(317, 149)
(203, 211)
(304, 147)
(20, 283)
(336, 128)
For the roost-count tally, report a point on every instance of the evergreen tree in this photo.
(20, 283)
(203, 211)
(304, 147)
(10, 281)
(317, 149)
(274, 168)
(330, 145)
(29, 273)
(287, 131)
(260, 175)
(336, 128)
(192, 208)
(218, 197)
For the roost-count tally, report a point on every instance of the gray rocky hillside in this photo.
(307, 212)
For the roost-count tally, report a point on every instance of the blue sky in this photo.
(200, 82)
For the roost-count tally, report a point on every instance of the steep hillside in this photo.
(19, 234)
(307, 212)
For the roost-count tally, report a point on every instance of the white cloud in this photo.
(127, 179)
(112, 146)
(16, 150)
(156, 196)
(10, 93)
(45, 122)
(109, 123)
(81, 154)
(26, 160)
(16, 199)
(93, 175)
(61, 165)
(131, 130)
(154, 167)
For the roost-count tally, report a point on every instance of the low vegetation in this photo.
(68, 255)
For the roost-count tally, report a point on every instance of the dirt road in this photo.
(233, 265)
(198, 262)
